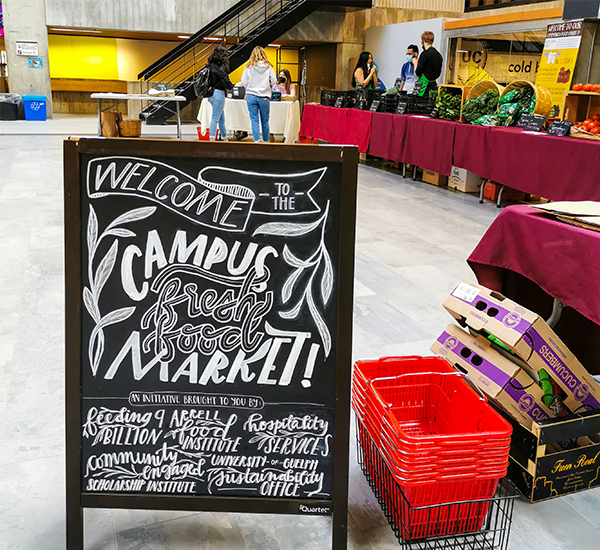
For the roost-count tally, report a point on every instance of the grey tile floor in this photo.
(412, 242)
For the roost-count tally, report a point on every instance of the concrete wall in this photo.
(25, 20)
(185, 16)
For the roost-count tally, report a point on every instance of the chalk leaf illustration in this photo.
(287, 229)
(318, 262)
(105, 269)
(97, 279)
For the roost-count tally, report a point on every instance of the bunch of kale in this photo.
(485, 104)
(449, 104)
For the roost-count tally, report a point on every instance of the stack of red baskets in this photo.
(437, 437)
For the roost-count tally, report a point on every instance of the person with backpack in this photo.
(259, 78)
(218, 63)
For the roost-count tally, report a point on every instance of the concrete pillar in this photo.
(343, 74)
(25, 21)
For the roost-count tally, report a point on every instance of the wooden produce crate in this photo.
(541, 470)
(579, 106)
(463, 90)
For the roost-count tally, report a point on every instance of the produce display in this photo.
(591, 125)
(586, 87)
(449, 104)
(479, 107)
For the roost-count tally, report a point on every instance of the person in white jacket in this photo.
(258, 79)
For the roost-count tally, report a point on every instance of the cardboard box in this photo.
(491, 191)
(498, 377)
(463, 180)
(434, 178)
(528, 335)
(541, 469)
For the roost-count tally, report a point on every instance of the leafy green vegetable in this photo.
(522, 101)
(485, 104)
(391, 91)
(489, 120)
(449, 104)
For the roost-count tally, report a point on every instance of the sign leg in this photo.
(74, 522)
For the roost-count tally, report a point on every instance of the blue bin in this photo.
(35, 107)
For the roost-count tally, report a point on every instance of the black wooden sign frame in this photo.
(77, 498)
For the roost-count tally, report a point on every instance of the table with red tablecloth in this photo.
(428, 143)
(547, 255)
(556, 168)
(339, 126)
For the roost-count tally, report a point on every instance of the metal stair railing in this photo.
(235, 29)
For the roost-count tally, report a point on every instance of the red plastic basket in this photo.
(438, 408)
(464, 514)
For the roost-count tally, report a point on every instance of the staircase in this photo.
(247, 24)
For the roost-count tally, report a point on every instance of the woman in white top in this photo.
(258, 79)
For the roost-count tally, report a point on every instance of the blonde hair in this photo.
(258, 54)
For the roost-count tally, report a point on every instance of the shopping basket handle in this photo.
(460, 374)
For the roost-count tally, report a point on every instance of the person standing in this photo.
(218, 63)
(285, 85)
(365, 72)
(407, 74)
(428, 68)
(259, 78)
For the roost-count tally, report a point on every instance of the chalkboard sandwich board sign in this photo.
(208, 327)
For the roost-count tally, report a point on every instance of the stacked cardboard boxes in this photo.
(504, 352)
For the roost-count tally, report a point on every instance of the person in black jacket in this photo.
(429, 66)
(218, 63)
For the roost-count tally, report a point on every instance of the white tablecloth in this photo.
(284, 119)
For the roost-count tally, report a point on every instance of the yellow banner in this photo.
(555, 72)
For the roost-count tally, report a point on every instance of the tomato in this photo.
(587, 121)
(595, 87)
(596, 123)
(587, 87)
(577, 87)
(595, 117)
(595, 130)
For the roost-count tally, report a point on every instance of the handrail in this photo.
(239, 28)
(194, 39)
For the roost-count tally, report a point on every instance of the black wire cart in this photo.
(482, 524)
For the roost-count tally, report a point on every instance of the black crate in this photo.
(327, 98)
(365, 98)
(482, 524)
(390, 103)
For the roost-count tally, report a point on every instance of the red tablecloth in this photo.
(388, 135)
(557, 168)
(428, 144)
(339, 126)
(560, 258)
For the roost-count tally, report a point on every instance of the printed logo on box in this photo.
(526, 403)
(511, 320)
(581, 392)
(450, 343)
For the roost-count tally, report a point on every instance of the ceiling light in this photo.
(212, 39)
(74, 30)
(183, 37)
(274, 46)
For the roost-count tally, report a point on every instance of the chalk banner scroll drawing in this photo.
(213, 286)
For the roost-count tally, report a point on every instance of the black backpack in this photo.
(203, 84)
